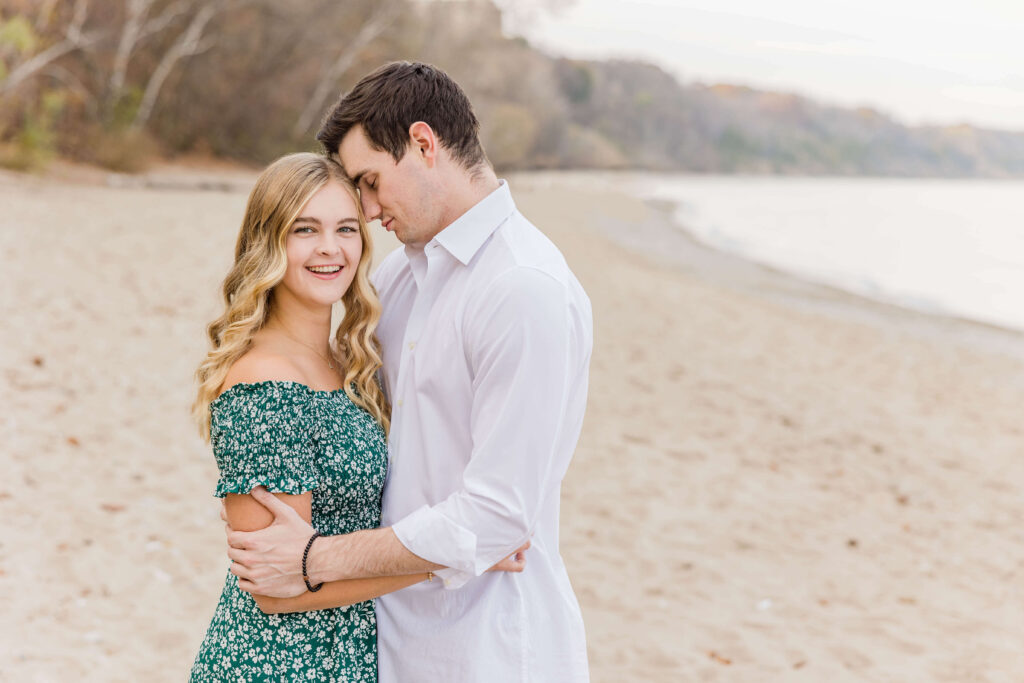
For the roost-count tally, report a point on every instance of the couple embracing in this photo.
(392, 494)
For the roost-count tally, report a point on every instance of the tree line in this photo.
(117, 82)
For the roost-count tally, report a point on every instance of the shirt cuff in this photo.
(432, 536)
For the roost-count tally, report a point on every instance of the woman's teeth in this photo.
(324, 269)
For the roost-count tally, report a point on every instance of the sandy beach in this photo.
(775, 482)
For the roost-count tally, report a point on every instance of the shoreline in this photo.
(656, 234)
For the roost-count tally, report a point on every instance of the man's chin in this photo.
(409, 240)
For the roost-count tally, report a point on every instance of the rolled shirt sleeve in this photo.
(523, 347)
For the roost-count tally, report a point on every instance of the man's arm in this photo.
(251, 513)
(528, 345)
(268, 560)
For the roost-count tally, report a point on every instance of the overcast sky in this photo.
(920, 61)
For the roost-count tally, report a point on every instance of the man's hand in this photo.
(269, 561)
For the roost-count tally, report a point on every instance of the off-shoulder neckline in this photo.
(276, 382)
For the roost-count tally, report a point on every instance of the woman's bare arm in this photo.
(244, 513)
(338, 594)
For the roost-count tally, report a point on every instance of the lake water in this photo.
(945, 246)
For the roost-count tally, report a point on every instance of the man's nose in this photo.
(371, 209)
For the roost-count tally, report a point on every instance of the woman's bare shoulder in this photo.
(261, 364)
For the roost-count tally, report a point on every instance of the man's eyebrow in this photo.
(357, 177)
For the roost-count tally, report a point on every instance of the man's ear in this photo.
(424, 142)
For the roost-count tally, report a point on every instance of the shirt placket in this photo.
(427, 287)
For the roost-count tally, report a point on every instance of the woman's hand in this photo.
(516, 562)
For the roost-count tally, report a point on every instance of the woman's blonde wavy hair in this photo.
(281, 191)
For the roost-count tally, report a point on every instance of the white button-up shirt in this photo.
(487, 338)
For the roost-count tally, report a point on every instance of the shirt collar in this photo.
(464, 237)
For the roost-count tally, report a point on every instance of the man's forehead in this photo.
(355, 153)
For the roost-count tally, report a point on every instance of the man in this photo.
(486, 338)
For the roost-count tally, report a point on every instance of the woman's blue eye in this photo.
(303, 228)
(347, 228)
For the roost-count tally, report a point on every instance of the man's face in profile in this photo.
(396, 193)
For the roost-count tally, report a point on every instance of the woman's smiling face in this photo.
(323, 247)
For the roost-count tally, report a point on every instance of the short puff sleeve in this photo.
(262, 436)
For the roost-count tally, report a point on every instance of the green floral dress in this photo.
(293, 439)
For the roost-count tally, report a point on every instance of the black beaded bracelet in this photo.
(305, 574)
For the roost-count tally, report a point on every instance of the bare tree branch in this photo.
(72, 83)
(137, 27)
(74, 39)
(188, 43)
(376, 25)
(164, 19)
(44, 14)
(135, 15)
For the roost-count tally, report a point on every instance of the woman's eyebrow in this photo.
(307, 219)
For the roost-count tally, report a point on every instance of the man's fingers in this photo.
(223, 510)
(240, 556)
(251, 574)
(268, 500)
(239, 539)
(247, 586)
(240, 570)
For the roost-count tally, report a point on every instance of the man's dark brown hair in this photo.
(395, 96)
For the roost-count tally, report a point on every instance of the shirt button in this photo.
(399, 403)
(412, 345)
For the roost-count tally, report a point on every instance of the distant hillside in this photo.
(540, 111)
(116, 83)
(657, 122)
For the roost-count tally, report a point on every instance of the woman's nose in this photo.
(329, 245)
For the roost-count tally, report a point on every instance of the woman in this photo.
(285, 410)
